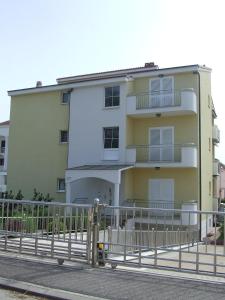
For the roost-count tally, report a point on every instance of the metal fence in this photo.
(190, 241)
(45, 229)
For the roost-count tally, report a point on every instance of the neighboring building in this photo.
(141, 135)
(218, 183)
(4, 134)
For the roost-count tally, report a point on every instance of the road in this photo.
(105, 283)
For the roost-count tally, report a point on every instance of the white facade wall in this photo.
(88, 117)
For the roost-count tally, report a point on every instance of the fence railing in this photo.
(184, 240)
(42, 228)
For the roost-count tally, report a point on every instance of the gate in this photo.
(188, 241)
(53, 230)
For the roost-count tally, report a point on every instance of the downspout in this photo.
(200, 150)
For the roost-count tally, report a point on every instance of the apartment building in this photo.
(4, 134)
(142, 136)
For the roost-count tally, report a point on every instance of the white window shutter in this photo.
(155, 85)
(167, 84)
(155, 92)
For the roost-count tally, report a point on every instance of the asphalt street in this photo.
(106, 283)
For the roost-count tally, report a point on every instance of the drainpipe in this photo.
(200, 149)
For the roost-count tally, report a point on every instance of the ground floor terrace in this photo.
(167, 188)
(129, 186)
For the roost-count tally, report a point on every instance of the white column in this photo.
(68, 192)
(117, 203)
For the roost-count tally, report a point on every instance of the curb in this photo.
(41, 291)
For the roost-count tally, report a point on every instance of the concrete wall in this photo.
(36, 158)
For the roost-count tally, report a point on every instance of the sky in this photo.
(47, 39)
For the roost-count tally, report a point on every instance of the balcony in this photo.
(166, 212)
(167, 156)
(165, 103)
(216, 168)
(216, 134)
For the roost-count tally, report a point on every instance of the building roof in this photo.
(5, 123)
(72, 81)
(149, 67)
(100, 167)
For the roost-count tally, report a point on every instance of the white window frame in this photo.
(104, 100)
(58, 185)
(161, 145)
(111, 154)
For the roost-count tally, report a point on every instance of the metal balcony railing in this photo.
(160, 204)
(158, 99)
(159, 153)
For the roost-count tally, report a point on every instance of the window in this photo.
(112, 96)
(111, 137)
(2, 149)
(1, 161)
(66, 97)
(161, 91)
(61, 186)
(63, 136)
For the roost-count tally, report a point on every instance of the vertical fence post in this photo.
(95, 227)
(89, 224)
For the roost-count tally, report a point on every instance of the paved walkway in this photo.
(64, 281)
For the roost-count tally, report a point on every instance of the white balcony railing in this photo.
(216, 134)
(163, 155)
(171, 102)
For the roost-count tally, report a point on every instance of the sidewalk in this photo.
(80, 281)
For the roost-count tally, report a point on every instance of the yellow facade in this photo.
(189, 183)
(185, 187)
(35, 151)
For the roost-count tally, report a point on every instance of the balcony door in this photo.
(161, 140)
(161, 91)
(161, 193)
